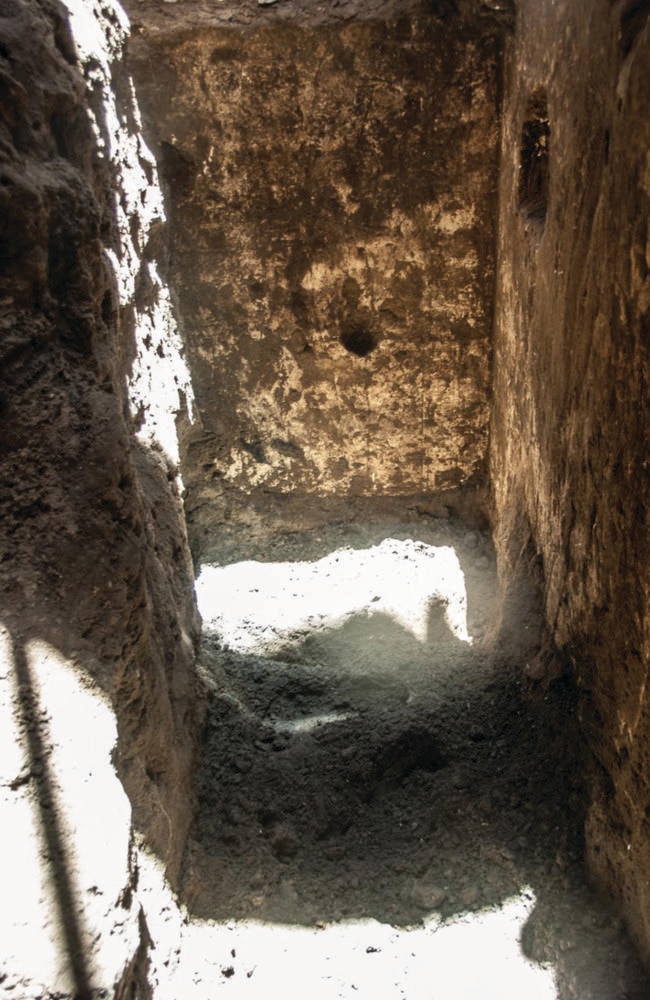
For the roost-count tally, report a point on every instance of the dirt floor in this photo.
(369, 765)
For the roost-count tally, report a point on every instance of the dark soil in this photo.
(439, 778)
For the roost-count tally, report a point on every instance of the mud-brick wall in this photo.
(570, 436)
(94, 560)
(331, 196)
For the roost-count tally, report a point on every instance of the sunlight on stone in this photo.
(73, 790)
(255, 607)
(95, 813)
(159, 384)
(28, 927)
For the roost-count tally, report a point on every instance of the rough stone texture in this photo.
(332, 195)
(93, 550)
(371, 222)
(569, 460)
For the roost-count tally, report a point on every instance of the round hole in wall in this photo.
(358, 340)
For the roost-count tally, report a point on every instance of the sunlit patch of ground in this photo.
(379, 817)
(383, 815)
(255, 606)
(478, 956)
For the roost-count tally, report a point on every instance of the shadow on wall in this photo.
(96, 594)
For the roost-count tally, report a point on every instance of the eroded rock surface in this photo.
(331, 184)
(570, 434)
(96, 572)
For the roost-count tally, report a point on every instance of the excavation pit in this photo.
(369, 762)
(211, 212)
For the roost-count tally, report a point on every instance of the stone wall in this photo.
(331, 183)
(570, 442)
(96, 585)
(336, 293)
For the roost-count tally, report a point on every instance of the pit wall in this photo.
(331, 186)
(98, 623)
(569, 448)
